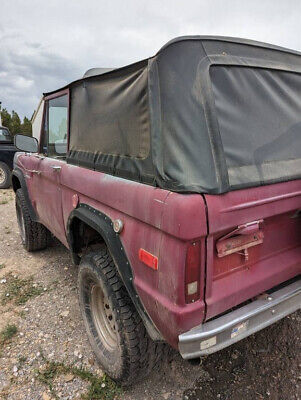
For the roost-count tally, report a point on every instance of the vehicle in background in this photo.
(7, 152)
(175, 183)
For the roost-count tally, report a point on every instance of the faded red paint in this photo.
(148, 259)
(232, 279)
(165, 224)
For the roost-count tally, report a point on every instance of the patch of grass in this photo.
(101, 388)
(7, 334)
(7, 230)
(20, 290)
(55, 283)
(22, 360)
(22, 314)
(6, 198)
(2, 266)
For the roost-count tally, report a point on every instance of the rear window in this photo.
(259, 118)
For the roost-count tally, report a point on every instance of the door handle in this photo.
(56, 168)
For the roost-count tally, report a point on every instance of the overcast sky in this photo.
(46, 44)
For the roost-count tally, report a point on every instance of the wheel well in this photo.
(88, 229)
(84, 237)
(16, 183)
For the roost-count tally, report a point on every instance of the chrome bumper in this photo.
(230, 328)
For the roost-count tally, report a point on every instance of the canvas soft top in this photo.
(204, 115)
(97, 71)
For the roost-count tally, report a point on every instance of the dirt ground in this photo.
(44, 352)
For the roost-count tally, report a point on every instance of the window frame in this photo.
(43, 134)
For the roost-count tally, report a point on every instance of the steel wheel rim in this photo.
(2, 176)
(103, 318)
(21, 222)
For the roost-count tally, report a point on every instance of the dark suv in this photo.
(7, 152)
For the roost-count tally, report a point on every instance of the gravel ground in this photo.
(46, 355)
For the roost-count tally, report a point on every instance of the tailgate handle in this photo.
(240, 239)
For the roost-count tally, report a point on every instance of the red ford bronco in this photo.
(175, 183)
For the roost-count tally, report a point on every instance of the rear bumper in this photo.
(230, 328)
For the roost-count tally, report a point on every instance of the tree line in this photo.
(13, 123)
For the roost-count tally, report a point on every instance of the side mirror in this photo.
(26, 143)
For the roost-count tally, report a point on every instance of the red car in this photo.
(175, 183)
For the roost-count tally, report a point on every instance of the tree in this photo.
(13, 123)
(6, 118)
(26, 127)
(15, 126)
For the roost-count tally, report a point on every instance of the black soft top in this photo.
(205, 114)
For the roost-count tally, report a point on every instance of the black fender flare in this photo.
(104, 226)
(18, 173)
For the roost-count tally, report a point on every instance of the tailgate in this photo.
(254, 243)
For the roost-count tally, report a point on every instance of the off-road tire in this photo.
(135, 354)
(34, 235)
(5, 176)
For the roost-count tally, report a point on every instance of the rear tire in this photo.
(115, 329)
(5, 176)
(34, 236)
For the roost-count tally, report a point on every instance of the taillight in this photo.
(192, 272)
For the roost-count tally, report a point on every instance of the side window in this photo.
(5, 136)
(56, 127)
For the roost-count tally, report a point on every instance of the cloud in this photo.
(27, 70)
(45, 45)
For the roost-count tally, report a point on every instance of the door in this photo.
(54, 148)
(254, 243)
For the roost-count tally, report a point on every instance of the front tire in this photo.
(5, 176)
(34, 236)
(115, 329)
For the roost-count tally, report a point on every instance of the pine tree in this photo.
(26, 127)
(6, 118)
(15, 123)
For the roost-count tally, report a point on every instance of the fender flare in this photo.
(104, 226)
(18, 173)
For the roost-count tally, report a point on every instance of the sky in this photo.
(46, 44)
